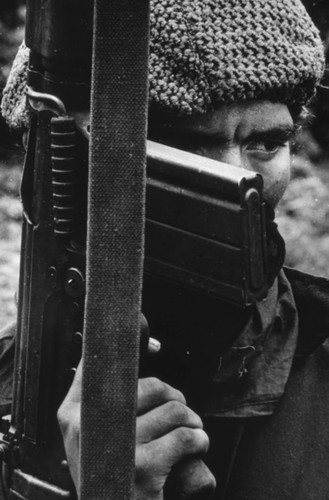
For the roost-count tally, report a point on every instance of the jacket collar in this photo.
(252, 374)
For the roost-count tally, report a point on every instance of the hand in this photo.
(68, 417)
(167, 432)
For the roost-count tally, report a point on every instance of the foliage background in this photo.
(12, 15)
(303, 215)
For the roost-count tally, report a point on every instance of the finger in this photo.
(152, 392)
(74, 393)
(69, 423)
(154, 346)
(190, 479)
(163, 419)
(148, 344)
(159, 456)
(68, 414)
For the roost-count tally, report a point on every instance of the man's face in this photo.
(254, 135)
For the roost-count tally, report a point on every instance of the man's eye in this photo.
(266, 148)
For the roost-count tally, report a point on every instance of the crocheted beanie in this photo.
(204, 53)
(13, 105)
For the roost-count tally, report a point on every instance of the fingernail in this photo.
(154, 345)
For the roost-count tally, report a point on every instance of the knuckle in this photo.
(178, 412)
(150, 476)
(148, 386)
(62, 417)
(187, 437)
(169, 393)
(152, 386)
(68, 421)
(157, 386)
(193, 440)
(146, 459)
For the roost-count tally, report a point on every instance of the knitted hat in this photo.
(204, 53)
(13, 106)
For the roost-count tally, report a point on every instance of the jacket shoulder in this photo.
(311, 294)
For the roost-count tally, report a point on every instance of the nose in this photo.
(233, 155)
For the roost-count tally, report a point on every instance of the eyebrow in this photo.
(284, 133)
(279, 133)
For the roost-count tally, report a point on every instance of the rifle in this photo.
(205, 236)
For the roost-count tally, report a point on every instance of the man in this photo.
(228, 80)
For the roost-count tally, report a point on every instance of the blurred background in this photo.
(303, 215)
(12, 17)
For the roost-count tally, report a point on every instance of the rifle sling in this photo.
(114, 248)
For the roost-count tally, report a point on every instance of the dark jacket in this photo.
(281, 456)
(284, 456)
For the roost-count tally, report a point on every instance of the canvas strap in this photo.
(114, 248)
